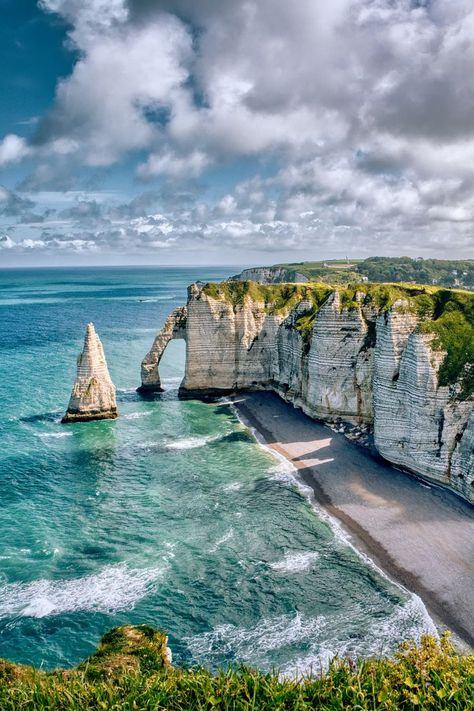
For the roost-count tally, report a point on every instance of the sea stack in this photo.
(93, 393)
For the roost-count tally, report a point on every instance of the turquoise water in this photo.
(171, 515)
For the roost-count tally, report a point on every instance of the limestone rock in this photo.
(175, 327)
(93, 393)
(269, 275)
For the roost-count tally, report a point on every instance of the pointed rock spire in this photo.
(93, 393)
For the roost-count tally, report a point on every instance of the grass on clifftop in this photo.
(130, 671)
(276, 298)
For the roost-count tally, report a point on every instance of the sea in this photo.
(172, 515)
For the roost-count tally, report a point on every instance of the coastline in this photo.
(418, 535)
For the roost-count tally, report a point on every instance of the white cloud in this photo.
(6, 242)
(13, 149)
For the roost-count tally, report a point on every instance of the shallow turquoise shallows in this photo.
(171, 515)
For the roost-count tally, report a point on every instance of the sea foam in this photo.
(248, 643)
(115, 587)
(190, 442)
(297, 562)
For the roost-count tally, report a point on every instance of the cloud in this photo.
(12, 204)
(363, 108)
(6, 242)
(124, 77)
(13, 149)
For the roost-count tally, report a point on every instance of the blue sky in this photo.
(235, 132)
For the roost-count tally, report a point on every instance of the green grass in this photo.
(275, 298)
(130, 671)
(441, 272)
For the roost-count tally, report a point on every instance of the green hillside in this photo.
(440, 272)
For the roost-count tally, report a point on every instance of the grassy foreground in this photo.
(131, 670)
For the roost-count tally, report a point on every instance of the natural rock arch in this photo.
(174, 328)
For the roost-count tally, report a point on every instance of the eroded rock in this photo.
(93, 392)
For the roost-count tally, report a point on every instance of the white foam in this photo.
(233, 486)
(226, 537)
(115, 587)
(322, 637)
(135, 415)
(247, 643)
(55, 434)
(127, 390)
(190, 442)
(381, 637)
(297, 562)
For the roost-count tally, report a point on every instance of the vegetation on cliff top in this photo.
(130, 671)
(440, 272)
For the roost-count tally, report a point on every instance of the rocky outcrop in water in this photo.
(357, 355)
(93, 392)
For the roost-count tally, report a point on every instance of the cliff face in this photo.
(269, 275)
(362, 355)
(93, 392)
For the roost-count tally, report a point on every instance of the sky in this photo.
(235, 131)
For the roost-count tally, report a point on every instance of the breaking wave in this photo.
(115, 587)
(244, 643)
(135, 415)
(295, 562)
(191, 442)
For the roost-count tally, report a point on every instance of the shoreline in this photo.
(418, 535)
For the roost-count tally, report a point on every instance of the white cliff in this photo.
(269, 275)
(338, 354)
(93, 392)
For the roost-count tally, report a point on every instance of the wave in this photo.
(135, 415)
(115, 587)
(226, 537)
(295, 562)
(155, 299)
(54, 434)
(247, 643)
(287, 473)
(323, 637)
(191, 442)
(233, 486)
(381, 638)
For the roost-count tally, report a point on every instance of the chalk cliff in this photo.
(93, 392)
(399, 359)
(269, 275)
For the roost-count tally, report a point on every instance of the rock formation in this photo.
(357, 354)
(175, 327)
(93, 393)
(269, 275)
